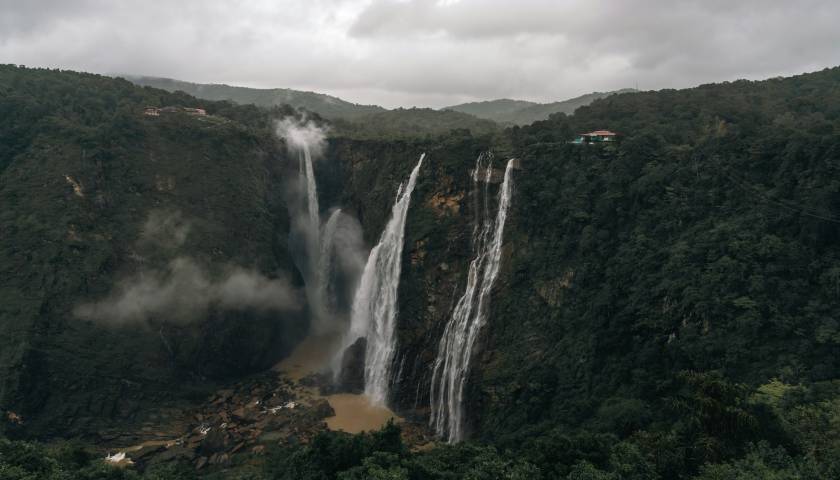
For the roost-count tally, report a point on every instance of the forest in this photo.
(667, 306)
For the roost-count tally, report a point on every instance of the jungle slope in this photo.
(83, 174)
(324, 105)
(675, 292)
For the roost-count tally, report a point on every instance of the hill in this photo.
(411, 123)
(521, 112)
(665, 308)
(496, 110)
(325, 105)
(97, 194)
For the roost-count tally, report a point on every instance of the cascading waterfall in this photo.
(307, 140)
(455, 349)
(374, 311)
(311, 198)
(325, 260)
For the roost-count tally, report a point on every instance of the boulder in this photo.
(322, 409)
(351, 377)
(215, 441)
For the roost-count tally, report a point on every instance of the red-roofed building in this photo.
(597, 136)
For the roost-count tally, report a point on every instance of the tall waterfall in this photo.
(311, 197)
(325, 258)
(455, 349)
(374, 311)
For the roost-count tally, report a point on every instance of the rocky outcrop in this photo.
(351, 377)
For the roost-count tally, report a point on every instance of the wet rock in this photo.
(322, 409)
(177, 452)
(146, 451)
(215, 441)
(352, 376)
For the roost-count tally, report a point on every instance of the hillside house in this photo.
(152, 111)
(598, 136)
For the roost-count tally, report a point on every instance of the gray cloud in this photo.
(423, 52)
(183, 291)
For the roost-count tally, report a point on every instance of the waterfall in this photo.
(311, 198)
(455, 349)
(325, 262)
(374, 311)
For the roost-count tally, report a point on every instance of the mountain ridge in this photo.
(327, 106)
(523, 112)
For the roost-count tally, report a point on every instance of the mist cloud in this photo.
(302, 133)
(183, 290)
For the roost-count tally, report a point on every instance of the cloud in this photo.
(183, 291)
(302, 134)
(426, 52)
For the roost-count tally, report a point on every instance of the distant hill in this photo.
(522, 112)
(325, 105)
(411, 122)
(496, 110)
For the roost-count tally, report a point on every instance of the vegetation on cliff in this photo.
(324, 105)
(666, 306)
(86, 181)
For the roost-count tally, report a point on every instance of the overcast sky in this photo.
(428, 52)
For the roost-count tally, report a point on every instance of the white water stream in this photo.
(456, 345)
(374, 312)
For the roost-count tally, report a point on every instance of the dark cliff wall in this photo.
(75, 200)
(703, 241)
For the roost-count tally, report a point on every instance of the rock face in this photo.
(352, 375)
(436, 251)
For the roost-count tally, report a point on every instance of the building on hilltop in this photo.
(598, 136)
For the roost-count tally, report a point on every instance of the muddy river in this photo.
(353, 413)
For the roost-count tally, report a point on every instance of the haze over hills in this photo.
(523, 112)
(503, 111)
(325, 105)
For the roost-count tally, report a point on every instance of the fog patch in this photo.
(301, 134)
(183, 290)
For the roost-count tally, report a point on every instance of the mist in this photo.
(300, 134)
(345, 254)
(306, 141)
(328, 250)
(183, 290)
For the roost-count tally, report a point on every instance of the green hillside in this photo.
(496, 110)
(83, 170)
(666, 308)
(325, 105)
(410, 123)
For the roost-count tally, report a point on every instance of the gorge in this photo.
(663, 306)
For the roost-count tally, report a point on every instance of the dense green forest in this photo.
(667, 305)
